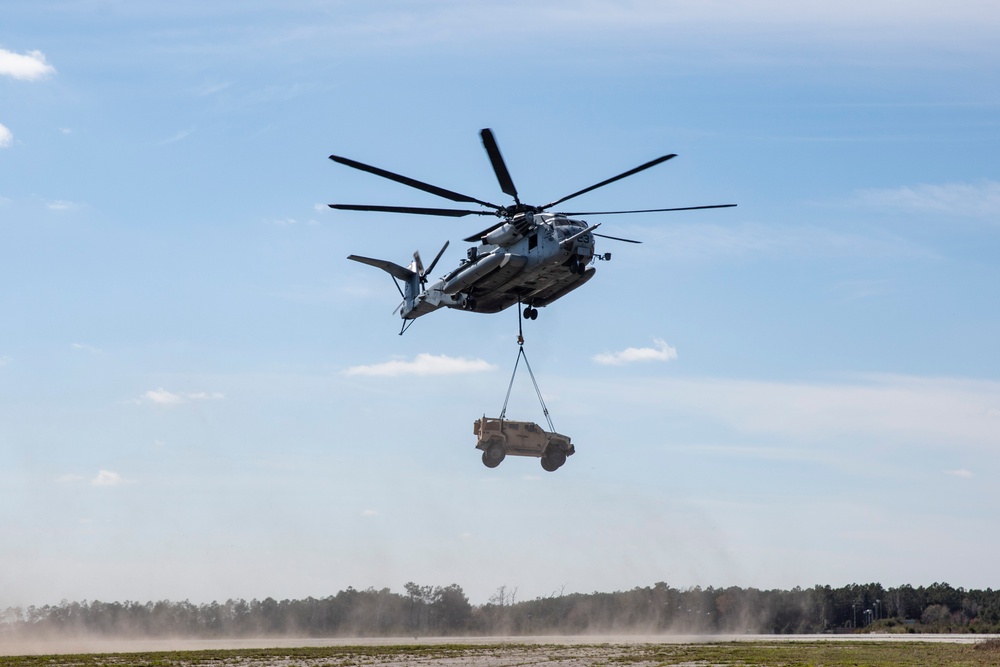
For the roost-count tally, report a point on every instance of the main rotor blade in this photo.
(630, 172)
(412, 182)
(499, 168)
(436, 258)
(649, 210)
(616, 238)
(476, 238)
(418, 210)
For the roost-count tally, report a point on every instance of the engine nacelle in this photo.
(509, 232)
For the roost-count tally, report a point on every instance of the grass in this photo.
(724, 654)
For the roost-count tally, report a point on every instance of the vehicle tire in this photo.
(494, 455)
(547, 465)
(555, 457)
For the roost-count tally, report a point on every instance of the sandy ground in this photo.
(577, 650)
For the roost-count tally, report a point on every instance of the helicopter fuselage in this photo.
(535, 259)
(530, 257)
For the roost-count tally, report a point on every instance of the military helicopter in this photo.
(531, 257)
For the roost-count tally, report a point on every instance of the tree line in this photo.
(446, 610)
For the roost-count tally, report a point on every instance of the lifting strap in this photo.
(520, 353)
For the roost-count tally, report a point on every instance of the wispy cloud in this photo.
(62, 205)
(179, 136)
(423, 364)
(107, 478)
(661, 351)
(961, 472)
(6, 137)
(69, 478)
(934, 412)
(856, 290)
(369, 513)
(168, 398)
(30, 66)
(972, 200)
(83, 347)
(5, 360)
(103, 478)
(211, 88)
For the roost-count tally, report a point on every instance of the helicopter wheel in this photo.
(530, 313)
(470, 304)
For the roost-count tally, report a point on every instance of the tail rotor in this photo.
(418, 265)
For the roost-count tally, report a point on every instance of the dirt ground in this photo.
(557, 651)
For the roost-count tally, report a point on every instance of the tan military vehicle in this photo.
(500, 437)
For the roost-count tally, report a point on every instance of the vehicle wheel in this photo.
(494, 455)
(547, 465)
(555, 457)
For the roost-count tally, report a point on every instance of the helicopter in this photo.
(530, 257)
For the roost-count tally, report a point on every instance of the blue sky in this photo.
(200, 398)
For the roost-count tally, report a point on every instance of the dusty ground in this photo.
(577, 651)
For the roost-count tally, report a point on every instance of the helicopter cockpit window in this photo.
(568, 228)
(533, 241)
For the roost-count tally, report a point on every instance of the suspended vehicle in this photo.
(500, 437)
(531, 256)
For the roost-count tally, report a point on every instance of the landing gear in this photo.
(530, 313)
(577, 267)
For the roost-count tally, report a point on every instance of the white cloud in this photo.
(83, 347)
(6, 137)
(107, 478)
(161, 396)
(961, 472)
(30, 66)
(5, 360)
(661, 351)
(62, 205)
(423, 364)
(369, 513)
(973, 200)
